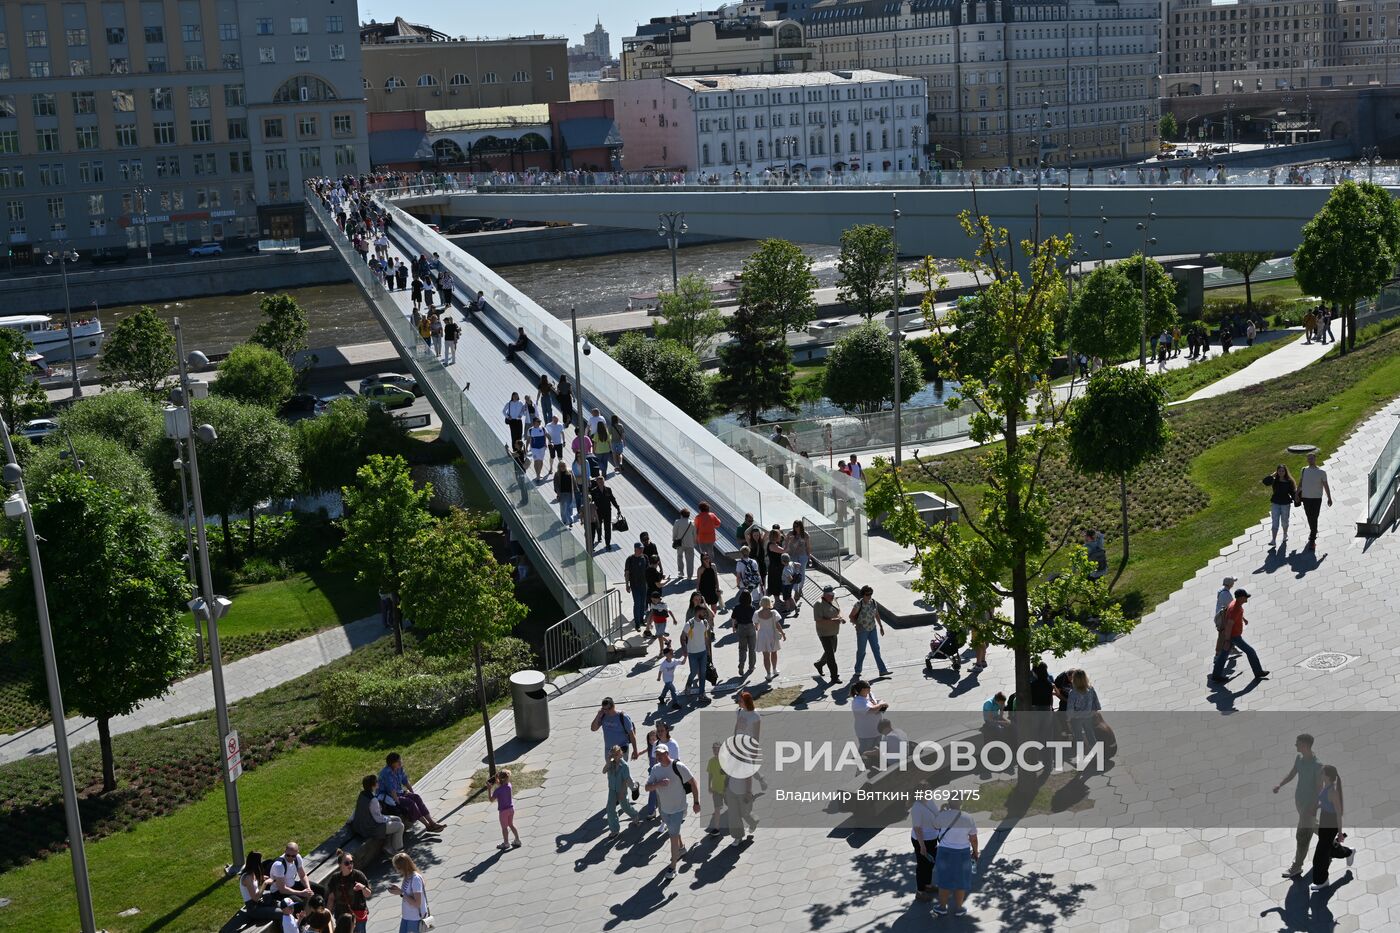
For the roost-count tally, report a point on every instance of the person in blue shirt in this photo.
(994, 713)
(397, 796)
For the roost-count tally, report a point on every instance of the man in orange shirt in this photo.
(706, 525)
(1233, 636)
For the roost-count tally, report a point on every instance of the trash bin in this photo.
(527, 698)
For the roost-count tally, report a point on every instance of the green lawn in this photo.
(1285, 289)
(301, 603)
(1185, 382)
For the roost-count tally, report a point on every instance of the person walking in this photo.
(671, 780)
(798, 545)
(605, 502)
(1280, 502)
(1329, 828)
(666, 673)
(634, 576)
(774, 548)
(768, 624)
(706, 527)
(452, 332)
(417, 293)
(697, 632)
(413, 893)
(715, 780)
(619, 442)
(1312, 486)
(865, 616)
(707, 584)
(748, 578)
(1233, 635)
(564, 395)
(1083, 707)
(544, 391)
(564, 490)
(790, 593)
(616, 726)
(621, 787)
(826, 614)
(683, 540)
(554, 432)
(1308, 770)
(745, 631)
(757, 543)
(500, 790)
(538, 442)
(436, 330)
(923, 816)
(514, 413)
(957, 851)
(602, 450)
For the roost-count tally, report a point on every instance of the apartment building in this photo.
(135, 121)
(721, 42)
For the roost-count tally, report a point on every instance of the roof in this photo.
(389, 146)
(798, 79)
(400, 30)
(590, 133)
(483, 117)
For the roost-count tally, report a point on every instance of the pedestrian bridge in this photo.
(672, 462)
(1247, 213)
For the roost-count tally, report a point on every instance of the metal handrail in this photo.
(596, 625)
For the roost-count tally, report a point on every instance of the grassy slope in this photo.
(1282, 288)
(1183, 383)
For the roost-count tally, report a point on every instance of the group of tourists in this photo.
(1317, 325)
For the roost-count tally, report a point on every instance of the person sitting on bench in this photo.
(521, 342)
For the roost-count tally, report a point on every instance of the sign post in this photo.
(233, 756)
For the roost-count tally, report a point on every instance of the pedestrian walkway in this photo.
(1298, 355)
(1111, 880)
(242, 678)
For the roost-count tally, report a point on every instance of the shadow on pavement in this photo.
(1307, 911)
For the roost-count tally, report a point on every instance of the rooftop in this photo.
(485, 117)
(799, 79)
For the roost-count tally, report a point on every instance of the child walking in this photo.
(666, 673)
(501, 792)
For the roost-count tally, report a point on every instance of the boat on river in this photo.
(50, 337)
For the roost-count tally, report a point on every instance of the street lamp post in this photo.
(898, 330)
(63, 257)
(189, 547)
(17, 506)
(578, 435)
(1371, 155)
(139, 194)
(671, 225)
(1147, 240)
(179, 424)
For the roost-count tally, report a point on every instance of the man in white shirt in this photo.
(868, 712)
(289, 875)
(1312, 485)
(670, 780)
(856, 470)
(595, 419)
(683, 540)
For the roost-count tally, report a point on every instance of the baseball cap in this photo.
(1241, 594)
(1228, 581)
(828, 590)
(288, 902)
(636, 545)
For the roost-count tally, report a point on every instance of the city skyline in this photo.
(550, 17)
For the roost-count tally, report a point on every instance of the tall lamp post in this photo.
(578, 433)
(179, 425)
(671, 225)
(63, 257)
(189, 546)
(1147, 240)
(17, 506)
(1371, 156)
(898, 330)
(139, 194)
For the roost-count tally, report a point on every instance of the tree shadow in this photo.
(1307, 911)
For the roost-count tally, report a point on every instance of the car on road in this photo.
(109, 254)
(470, 225)
(38, 429)
(388, 396)
(207, 249)
(394, 379)
(304, 403)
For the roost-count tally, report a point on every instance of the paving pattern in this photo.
(1342, 599)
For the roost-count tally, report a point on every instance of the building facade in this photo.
(446, 74)
(598, 43)
(813, 123)
(172, 122)
(715, 43)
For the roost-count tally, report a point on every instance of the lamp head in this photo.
(13, 473)
(206, 433)
(196, 359)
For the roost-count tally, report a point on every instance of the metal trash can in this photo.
(531, 706)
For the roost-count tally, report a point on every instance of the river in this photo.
(599, 285)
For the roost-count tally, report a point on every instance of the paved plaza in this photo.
(567, 875)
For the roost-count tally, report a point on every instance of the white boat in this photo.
(50, 338)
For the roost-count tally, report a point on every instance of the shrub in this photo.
(262, 570)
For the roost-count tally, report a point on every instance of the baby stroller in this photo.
(945, 647)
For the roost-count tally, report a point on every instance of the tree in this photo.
(141, 353)
(129, 418)
(254, 374)
(334, 446)
(1119, 424)
(1161, 292)
(1349, 250)
(860, 369)
(669, 368)
(755, 367)
(777, 287)
(866, 264)
(383, 513)
(1244, 264)
(109, 462)
(1166, 127)
(117, 608)
(1105, 319)
(21, 397)
(284, 328)
(1002, 551)
(689, 315)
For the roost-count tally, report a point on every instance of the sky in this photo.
(552, 17)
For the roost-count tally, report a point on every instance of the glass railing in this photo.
(558, 550)
(847, 433)
(1380, 482)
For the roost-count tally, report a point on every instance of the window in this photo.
(198, 95)
(240, 162)
(123, 101)
(44, 105)
(201, 198)
(76, 37)
(12, 178)
(206, 164)
(337, 52)
(426, 80)
(341, 124)
(520, 77)
(194, 62)
(116, 35)
(7, 105)
(201, 131)
(228, 31)
(155, 35)
(231, 61)
(549, 74)
(168, 167)
(307, 126)
(264, 26)
(299, 26)
(310, 157)
(162, 98)
(155, 64)
(87, 137)
(164, 133)
(56, 208)
(272, 128)
(302, 53)
(489, 78)
(118, 66)
(9, 141)
(233, 95)
(13, 209)
(46, 140)
(38, 69)
(335, 24)
(345, 156)
(79, 67)
(237, 128)
(192, 33)
(393, 81)
(276, 160)
(459, 80)
(130, 169)
(91, 173)
(126, 136)
(36, 39)
(267, 55)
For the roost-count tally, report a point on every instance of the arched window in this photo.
(533, 142)
(459, 79)
(869, 140)
(427, 80)
(488, 78)
(445, 150)
(758, 147)
(836, 144)
(520, 77)
(304, 88)
(392, 82)
(855, 143)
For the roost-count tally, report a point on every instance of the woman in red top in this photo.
(706, 525)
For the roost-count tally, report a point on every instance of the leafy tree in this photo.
(141, 353)
(1002, 552)
(110, 462)
(755, 367)
(383, 513)
(1161, 292)
(1105, 319)
(669, 368)
(334, 446)
(254, 374)
(284, 328)
(866, 267)
(21, 397)
(1349, 250)
(689, 315)
(777, 287)
(128, 417)
(1166, 127)
(1119, 424)
(116, 605)
(1244, 264)
(860, 369)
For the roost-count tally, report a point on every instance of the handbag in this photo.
(620, 524)
(711, 674)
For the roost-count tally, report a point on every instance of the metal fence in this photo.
(584, 636)
(826, 437)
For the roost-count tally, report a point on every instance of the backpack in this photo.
(752, 580)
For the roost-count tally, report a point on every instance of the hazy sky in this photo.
(551, 17)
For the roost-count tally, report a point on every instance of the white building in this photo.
(817, 122)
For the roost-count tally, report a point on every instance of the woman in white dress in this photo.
(768, 626)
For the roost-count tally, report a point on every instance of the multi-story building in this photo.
(411, 67)
(815, 122)
(997, 71)
(714, 43)
(598, 43)
(180, 121)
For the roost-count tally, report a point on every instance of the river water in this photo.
(599, 285)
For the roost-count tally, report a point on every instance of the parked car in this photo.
(304, 403)
(38, 429)
(207, 249)
(109, 254)
(470, 225)
(407, 383)
(388, 396)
